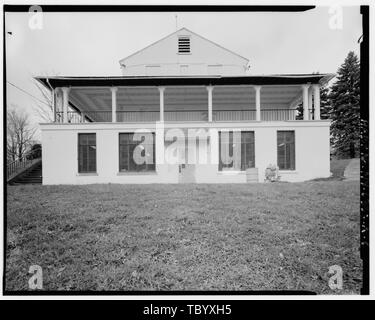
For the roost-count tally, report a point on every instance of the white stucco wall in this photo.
(162, 58)
(60, 153)
(60, 159)
(311, 150)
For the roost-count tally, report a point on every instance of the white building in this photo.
(171, 92)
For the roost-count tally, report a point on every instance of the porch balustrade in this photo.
(182, 115)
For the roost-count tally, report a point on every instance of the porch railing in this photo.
(233, 115)
(133, 116)
(278, 114)
(73, 117)
(183, 115)
(265, 115)
(177, 115)
(26, 161)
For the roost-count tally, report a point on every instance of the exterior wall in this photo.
(175, 69)
(162, 58)
(60, 160)
(60, 153)
(312, 152)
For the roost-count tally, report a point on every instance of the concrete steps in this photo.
(252, 175)
(33, 176)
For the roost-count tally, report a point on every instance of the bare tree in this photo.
(20, 134)
(44, 109)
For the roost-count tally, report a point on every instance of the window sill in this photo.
(288, 172)
(231, 172)
(137, 173)
(87, 174)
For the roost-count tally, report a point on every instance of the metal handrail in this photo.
(21, 163)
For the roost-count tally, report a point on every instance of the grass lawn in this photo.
(279, 236)
(338, 168)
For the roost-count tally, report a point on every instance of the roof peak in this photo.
(192, 32)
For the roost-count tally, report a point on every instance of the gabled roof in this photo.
(183, 29)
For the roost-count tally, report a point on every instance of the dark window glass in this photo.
(286, 150)
(229, 142)
(247, 150)
(86, 152)
(127, 146)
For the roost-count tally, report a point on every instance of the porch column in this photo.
(65, 91)
(316, 102)
(114, 103)
(310, 103)
(257, 102)
(161, 97)
(305, 88)
(54, 104)
(209, 90)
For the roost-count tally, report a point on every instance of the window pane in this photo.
(226, 144)
(80, 159)
(87, 152)
(225, 150)
(126, 153)
(91, 159)
(285, 150)
(247, 150)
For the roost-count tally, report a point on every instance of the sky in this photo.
(79, 44)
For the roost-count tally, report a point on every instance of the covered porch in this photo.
(185, 99)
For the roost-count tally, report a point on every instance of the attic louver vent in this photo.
(183, 45)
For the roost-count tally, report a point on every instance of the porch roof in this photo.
(105, 81)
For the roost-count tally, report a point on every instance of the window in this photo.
(286, 150)
(127, 152)
(247, 150)
(229, 141)
(183, 44)
(86, 152)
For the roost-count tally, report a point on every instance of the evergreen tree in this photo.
(325, 105)
(345, 108)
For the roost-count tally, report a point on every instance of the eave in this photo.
(100, 81)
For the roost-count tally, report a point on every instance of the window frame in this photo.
(230, 169)
(80, 134)
(147, 171)
(286, 167)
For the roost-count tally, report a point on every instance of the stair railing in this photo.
(22, 163)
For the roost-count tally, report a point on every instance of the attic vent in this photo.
(183, 45)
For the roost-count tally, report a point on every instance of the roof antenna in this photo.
(176, 20)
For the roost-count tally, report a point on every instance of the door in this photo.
(186, 171)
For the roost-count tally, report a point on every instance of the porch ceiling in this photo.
(184, 98)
